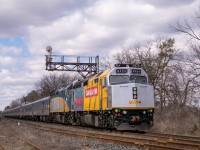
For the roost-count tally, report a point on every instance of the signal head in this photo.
(49, 49)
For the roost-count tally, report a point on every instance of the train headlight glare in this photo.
(124, 112)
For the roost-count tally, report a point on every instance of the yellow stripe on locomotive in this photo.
(95, 93)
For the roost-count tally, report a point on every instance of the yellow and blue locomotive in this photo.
(110, 99)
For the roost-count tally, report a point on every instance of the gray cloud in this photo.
(17, 15)
(167, 3)
(105, 25)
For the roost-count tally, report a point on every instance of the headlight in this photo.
(134, 92)
(124, 112)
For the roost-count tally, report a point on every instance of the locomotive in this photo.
(109, 99)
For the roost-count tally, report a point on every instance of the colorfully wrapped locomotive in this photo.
(110, 99)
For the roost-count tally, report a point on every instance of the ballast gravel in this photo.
(53, 141)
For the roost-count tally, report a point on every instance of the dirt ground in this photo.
(8, 141)
(47, 140)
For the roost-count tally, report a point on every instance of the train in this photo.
(114, 98)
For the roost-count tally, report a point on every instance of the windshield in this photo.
(117, 79)
(120, 79)
(138, 79)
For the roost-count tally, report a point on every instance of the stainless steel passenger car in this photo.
(37, 110)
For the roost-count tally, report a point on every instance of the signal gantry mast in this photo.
(84, 65)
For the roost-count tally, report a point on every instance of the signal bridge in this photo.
(84, 65)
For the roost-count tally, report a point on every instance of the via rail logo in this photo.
(90, 92)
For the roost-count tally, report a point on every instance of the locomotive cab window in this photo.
(138, 79)
(96, 80)
(85, 83)
(119, 79)
(66, 93)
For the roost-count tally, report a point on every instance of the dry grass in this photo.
(177, 120)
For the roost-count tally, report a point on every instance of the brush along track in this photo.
(21, 140)
(149, 140)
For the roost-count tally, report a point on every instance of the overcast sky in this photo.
(78, 27)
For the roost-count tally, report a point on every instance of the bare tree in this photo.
(191, 28)
(128, 55)
(106, 63)
(181, 86)
(7, 108)
(53, 82)
(15, 103)
(30, 97)
(43, 88)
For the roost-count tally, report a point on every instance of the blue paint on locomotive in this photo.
(55, 105)
(59, 93)
(68, 100)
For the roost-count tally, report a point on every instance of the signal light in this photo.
(124, 112)
(144, 112)
(150, 110)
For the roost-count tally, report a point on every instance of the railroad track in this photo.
(173, 137)
(25, 141)
(143, 141)
(170, 139)
(148, 140)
